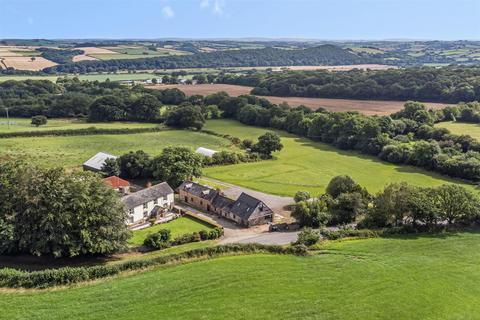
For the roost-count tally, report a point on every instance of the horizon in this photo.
(344, 20)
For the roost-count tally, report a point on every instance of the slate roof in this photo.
(206, 152)
(96, 162)
(221, 202)
(143, 196)
(198, 190)
(246, 205)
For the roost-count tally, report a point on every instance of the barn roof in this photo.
(246, 205)
(96, 162)
(198, 190)
(206, 152)
(116, 182)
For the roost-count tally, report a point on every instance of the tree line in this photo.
(448, 84)
(398, 204)
(321, 55)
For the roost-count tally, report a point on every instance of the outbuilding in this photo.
(97, 162)
(206, 152)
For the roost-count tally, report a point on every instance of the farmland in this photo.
(72, 151)
(23, 124)
(177, 227)
(471, 129)
(89, 77)
(368, 107)
(398, 278)
(307, 165)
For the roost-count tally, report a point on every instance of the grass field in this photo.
(307, 165)
(369, 107)
(23, 124)
(72, 151)
(177, 227)
(472, 129)
(412, 277)
(89, 77)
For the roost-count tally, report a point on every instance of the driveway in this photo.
(278, 204)
(234, 233)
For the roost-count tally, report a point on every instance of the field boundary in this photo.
(80, 132)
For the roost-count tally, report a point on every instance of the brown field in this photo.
(25, 63)
(368, 107)
(91, 50)
(338, 68)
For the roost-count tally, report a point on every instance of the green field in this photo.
(412, 277)
(72, 151)
(307, 165)
(89, 77)
(23, 124)
(472, 129)
(177, 227)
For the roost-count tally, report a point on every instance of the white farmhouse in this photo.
(154, 201)
(96, 162)
(206, 152)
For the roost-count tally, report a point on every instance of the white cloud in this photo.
(168, 12)
(217, 6)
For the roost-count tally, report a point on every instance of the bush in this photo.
(308, 237)
(301, 196)
(158, 240)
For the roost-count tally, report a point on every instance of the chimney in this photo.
(149, 184)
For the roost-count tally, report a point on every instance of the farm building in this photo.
(206, 152)
(119, 184)
(246, 210)
(96, 162)
(155, 201)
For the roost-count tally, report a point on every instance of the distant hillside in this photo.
(321, 55)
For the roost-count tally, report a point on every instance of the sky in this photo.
(204, 19)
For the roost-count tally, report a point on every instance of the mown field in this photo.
(307, 165)
(24, 124)
(72, 151)
(177, 227)
(471, 129)
(411, 277)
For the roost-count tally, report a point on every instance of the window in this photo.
(155, 201)
(130, 212)
(145, 214)
(201, 203)
(145, 205)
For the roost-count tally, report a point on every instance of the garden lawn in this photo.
(24, 124)
(307, 165)
(412, 277)
(72, 151)
(460, 128)
(177, 227)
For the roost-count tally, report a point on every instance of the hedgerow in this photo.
(11, 278)
(79, 132)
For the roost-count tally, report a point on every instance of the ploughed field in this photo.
(409, 277)
(369, 107)
(307, 165)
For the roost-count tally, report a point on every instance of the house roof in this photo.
(206, 152)
(198, 190)
(97, 161)
(143, 196)
(222, 202)
(246, 205)
(116, 182)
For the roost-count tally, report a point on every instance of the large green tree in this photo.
(176, 164)
(51, 212)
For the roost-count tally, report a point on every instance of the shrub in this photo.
(301, 196)
(158, 240)
(308, 237)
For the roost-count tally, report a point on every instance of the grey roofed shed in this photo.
(146, 195)
(96, 162)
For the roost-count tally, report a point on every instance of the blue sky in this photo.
(319, 19)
